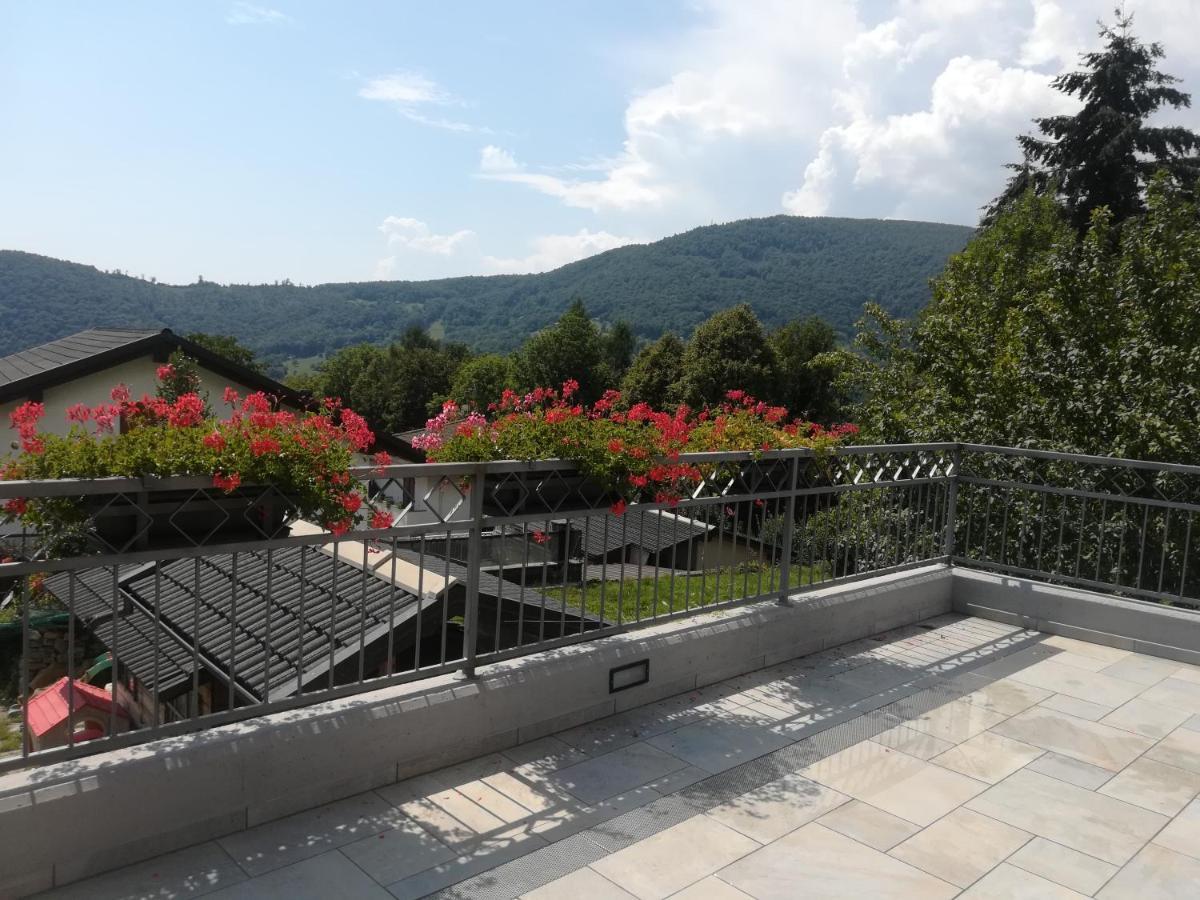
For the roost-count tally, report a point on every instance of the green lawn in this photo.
(664, 594)
(10, 736)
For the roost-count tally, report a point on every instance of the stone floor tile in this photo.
(1083, 661)
(771, 811)
(1187, 673)
(1089, 742)
(816, 862)
(611, 774)
(1143, 717)
(494, 801)
(1064, 866)
(608, 734)
(1154, 785)
(1073, 706)
(452, 818)
(895, 782)
(1156, 873)
(1144, 670)
(1175, 693)
(398, 852)
(534, 794)
(545, 754)
(273, 845)
(1007, 696)
(1091, 823)
(329, 875)
(568, 819)
(583, 884)
(1006, 882)
(473, 858)
(1193, 723)
(913, 742)
(1179, 748)
(956, 721)
(675, 858)
(988, 757)
(193, 872)
(1074, 682)
(1070, 770)
(869, 825)
(1084, 648)
(1182, 834)
(720, 742)
(961, 847)
(711, 888)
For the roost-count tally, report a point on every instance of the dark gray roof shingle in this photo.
(650, 529)
(65, 351)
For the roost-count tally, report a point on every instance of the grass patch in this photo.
(10, 735)
(664, 594)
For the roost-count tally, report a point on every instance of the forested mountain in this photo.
(783, 266)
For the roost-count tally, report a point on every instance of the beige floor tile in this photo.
(1007, 882)
(1064, 866)
(1070, 770)
(961, 847)
(1179, 748)
(1083, 661)
(675, 858)
(895, 782)
(869, 825)
(452, 818)
(1139, 669)
(1008, 696)
(1143, 717)
(914, 743)
(585, 884)
(545, 754)
(1091, 823)
(1154, 785)
(1080, 683)
(1156, 873)
(1183, 833)
(1187, 673)
(710, 888)
(498, 804)
(1175, 693)
(771, 811)
(192, 872)
(956, 721)
(536, 795)
(1085, 648)
(816, 862)
(1089, 742)
(988, 757)
(611, 774)
(1073, 706)
(398, 852)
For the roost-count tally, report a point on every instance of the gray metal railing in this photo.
(143, 636)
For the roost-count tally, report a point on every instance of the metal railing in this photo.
(166, 624)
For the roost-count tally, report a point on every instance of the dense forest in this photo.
(785, 267)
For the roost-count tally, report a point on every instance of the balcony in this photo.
(895, 671)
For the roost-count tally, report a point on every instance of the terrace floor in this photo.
(960, 757)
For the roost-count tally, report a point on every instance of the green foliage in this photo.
(481, 381)
(785, 265)
(654, 372)
(728, 351)
(805, 381)
(571, 348)
(1039, 337)
(1106, 154)
(619, 345)
(229, 347)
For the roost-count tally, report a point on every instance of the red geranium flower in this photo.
(381, 518)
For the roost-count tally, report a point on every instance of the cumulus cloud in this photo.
(407, 234)
(554, 250)
(412, 95)
(249, 14)
(888, 108)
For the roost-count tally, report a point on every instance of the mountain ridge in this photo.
(784, 266)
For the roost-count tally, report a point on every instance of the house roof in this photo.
(53, 706)
(28, 372)
(652, 530)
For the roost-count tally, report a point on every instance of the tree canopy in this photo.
(1106, 153)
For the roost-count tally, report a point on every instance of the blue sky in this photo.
(323, 142)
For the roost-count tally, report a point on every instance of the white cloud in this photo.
(249, 14)
(407, 92)
(889, 108)
(413, 234)
(554, 250)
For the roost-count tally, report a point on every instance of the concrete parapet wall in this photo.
(65, 821)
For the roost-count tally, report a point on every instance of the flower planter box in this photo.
(183, 518)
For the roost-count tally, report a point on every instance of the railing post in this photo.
(474, 561)
(952, 504)
(789, 524)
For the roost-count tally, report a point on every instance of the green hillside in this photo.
(784, 266)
